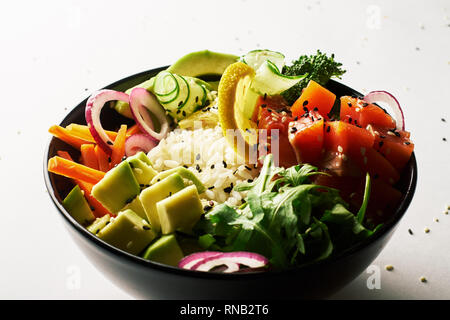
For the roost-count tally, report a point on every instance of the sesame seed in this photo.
(305, 103)
(349, 104)
(389, 267)
(427, 230)
(212, 166)
(197, 157)
(340, 149)
(410, 231)
(423, 279)
(109, 142)
(224, 163)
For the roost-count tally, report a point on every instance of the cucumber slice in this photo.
(165, 94)
(180, 95)
(165, 85)
(256, 58)
(269, 80)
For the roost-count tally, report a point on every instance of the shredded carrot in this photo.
(68, 137)
(83, 131)
(74, 170)
(102, 159)
(97, 208)
(132, 130)
(88, 156)
(118, 149)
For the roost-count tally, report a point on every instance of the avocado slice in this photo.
(75, 203)
(203, 63)
(183, 172)
(123, 107)
(180, 211)
(128, 232)
(136, 206)
(117, 188)
(99, 224)
(164, 250)
(142, 168)
(157, 192)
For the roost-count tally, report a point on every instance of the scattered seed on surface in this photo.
(410, 231)
(423, 279)
(427, 230)
(436, 219)
(389, 267)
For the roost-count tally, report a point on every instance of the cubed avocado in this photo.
(75, 203)
(99, 224)
(183, 172)
(142, 168)
(159, 191)
(128, 232)
(141, 156)
(180, 211)
(164, 250)
(117, 188)
(136, 206)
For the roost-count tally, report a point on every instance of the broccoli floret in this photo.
(319, 67)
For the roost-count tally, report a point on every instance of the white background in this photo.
(55, 53)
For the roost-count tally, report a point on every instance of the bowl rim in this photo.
(116, 252)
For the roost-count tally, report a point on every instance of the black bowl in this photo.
(146, 279)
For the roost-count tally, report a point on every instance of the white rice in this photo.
(207, 154)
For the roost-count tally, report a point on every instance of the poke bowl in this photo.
(223, 247)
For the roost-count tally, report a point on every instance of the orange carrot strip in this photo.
(74, 170)
(98, 209)
(66, 136)
(83, 131)
(102, 159)
(118, 149)
(88, 156)
(132, 130)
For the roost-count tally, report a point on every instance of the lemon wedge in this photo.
(236, 102)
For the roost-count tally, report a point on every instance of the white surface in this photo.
(53, 54)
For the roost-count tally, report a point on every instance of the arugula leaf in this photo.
(362, 210)
(285, 218)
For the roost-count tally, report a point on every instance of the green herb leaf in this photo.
(319, 68)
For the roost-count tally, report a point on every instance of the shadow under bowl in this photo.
(145, 279)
